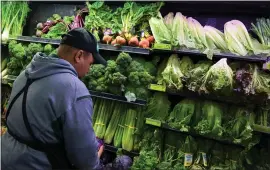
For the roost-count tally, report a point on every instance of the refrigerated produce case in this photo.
(175, 115)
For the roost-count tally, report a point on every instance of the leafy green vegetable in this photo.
(158, 106)
(239, 41)
(56, 31)
(99, 17)
(186, 64)
(14, 15)
(180, 117)
(172, 73)
(218, 79)
(212, 119)
(160, 31)
(194, 77)
(239, 128)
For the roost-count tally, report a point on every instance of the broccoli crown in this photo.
(135, 66)
(118, 78)
(48, 49)
(14, 63)
(97, 70)
(111, 66)
(17, 50)
(33, 48)
(150, 68)
(123, 60)
(142, 93)
(12, 44)
(101, 85)
(134, 78)
(140, 78)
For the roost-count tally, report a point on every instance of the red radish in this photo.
(151, 39)
(144, 43)
(120, 40)
(107, 39)
(46, 29)
(114, 42)
(134, 41)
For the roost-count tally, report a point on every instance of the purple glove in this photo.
(100, 142)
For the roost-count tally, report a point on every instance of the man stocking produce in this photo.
(49, 115)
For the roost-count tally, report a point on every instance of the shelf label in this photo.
(153, 122)
(162, 46)
(157, 87)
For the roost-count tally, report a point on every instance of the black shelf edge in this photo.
(127, 49)
(106, 47)
(36, 40)
(116, 98)
(167, 127)
(136, 50)
(114, 150)
(251, 58)
(235, 98)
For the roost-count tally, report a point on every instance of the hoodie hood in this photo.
(43, 66)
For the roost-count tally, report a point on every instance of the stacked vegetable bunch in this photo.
(125, 74)
(206, 118)
(220, 79)
(13, 15)
(54, 27)
(261, 118)
(20, 55)
(184, 32)
(185, 152)
(118, 123)
(150, 149)
(123, 26)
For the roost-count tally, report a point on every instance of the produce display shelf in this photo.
(114, 150)
(105, 47)
(165, 126)
(136, 50)
(116, 98)
(237, 99)
(36, 40)
(93, 93)
(249, 58)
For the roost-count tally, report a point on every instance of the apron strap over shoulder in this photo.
(55, 152)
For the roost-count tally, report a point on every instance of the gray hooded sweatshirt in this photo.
(59, 107)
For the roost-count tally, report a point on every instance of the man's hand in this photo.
(100, 151)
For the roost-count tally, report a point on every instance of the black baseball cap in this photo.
(84, 40)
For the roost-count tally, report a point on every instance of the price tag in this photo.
(204, 159)
(188, 159)
(157, 87)
(153, 122)
(162, 46)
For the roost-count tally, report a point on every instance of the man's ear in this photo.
(78, 56)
